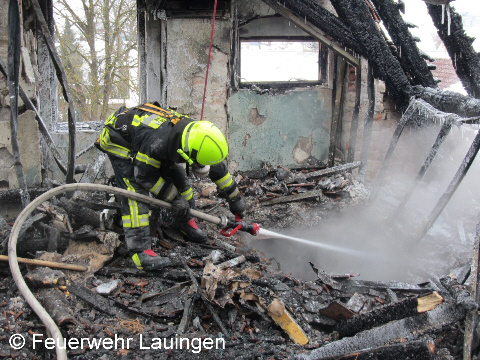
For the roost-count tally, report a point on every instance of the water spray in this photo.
(254, 229)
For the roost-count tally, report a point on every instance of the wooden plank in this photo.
(51, 264)
(289, 325)
(290, 198)
(329, 171)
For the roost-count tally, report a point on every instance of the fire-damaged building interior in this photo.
(360, 238)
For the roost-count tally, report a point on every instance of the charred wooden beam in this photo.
(356, 15)
(98, 302)
(320, 18)
(14, 40)
(298, 12)
(444, 131)
(466, 60)
(396, 311)
(188, 309)
(81, 215)
(424, 350)
(452, 187)
(367, 124)
(410, 59)
(442, 315)
(449, 102)
(296, 197)
(326, 172)
(337, 108)
(356, 110)
(54, 302)
(366, 285)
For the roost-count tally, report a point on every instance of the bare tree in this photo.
(96, 44)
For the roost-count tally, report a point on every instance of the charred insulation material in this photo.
(410, 58)
(459, 46)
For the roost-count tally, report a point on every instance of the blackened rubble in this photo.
(258, 311)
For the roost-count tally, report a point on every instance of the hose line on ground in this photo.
(23, 216)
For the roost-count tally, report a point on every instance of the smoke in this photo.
(395, 249)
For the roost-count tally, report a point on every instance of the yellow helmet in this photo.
(203, 143)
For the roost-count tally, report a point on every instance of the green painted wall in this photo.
(282, 129)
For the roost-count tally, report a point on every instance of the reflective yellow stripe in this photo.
(233, 194)
(154, 121)
(172, 192)
(224, 182)
(137, 120)
(136, 261)
(136, 220)
(111, 120)
(107, 145)
(187, 195)
(127, 221)
(143, 220)
(148, 160)
(155, 190)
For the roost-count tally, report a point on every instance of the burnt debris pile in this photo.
(222, 300)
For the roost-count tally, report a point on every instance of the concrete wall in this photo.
(30, 156)
(28, 133)
(187, 54)
(285, 129)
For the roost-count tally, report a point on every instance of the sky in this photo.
(416, 13)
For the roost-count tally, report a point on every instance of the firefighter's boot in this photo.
(190, 230)
(149, 260)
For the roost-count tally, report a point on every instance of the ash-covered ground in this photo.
(124, 313)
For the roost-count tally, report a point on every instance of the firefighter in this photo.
(145, 145)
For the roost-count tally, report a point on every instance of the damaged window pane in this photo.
(279, 61)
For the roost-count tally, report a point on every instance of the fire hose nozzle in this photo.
(252, 228)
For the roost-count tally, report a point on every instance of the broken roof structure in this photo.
(293, 146)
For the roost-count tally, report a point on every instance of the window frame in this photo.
(322, 64)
